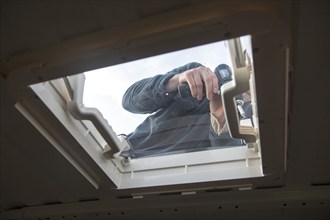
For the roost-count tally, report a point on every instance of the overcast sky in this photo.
(105, 87)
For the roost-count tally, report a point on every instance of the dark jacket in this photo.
(175, 125)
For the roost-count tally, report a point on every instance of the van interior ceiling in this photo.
(65, 66)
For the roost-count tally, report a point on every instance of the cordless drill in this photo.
(223, 72)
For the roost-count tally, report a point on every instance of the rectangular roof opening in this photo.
(99, 120)
(104, 88)
(52, 98)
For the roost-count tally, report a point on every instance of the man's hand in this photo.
(217, 110)
(197, 78)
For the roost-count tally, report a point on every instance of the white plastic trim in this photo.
(239, 84)
(80, 112)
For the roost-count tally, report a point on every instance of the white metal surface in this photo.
(248, 204)
(56, 100)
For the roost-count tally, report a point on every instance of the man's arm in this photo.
(151, 94)
(197, 78)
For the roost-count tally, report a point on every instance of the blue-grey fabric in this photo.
(175, 125)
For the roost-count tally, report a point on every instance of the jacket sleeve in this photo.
(149, 95)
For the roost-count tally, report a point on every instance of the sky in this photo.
(104, 88)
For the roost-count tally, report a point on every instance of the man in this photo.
(178, 124)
